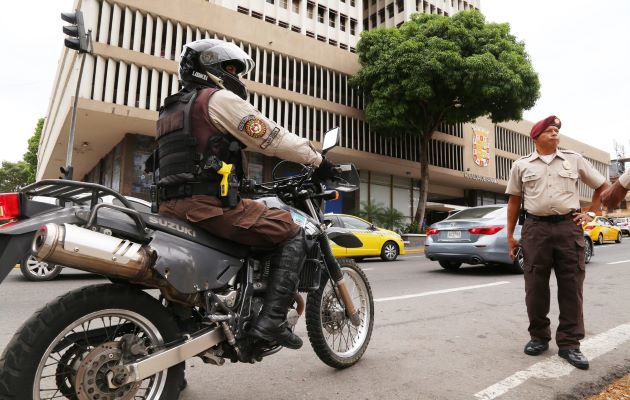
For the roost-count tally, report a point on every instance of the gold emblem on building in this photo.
(481, 146)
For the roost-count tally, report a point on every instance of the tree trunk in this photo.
(424, 179)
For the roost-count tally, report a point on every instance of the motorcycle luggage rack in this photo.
(82, 192)
(72, 191)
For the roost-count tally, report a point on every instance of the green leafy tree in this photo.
(30, 157)
(13, 176)
(381, 216)
(392, 219)
(371, 211)
(436, 69)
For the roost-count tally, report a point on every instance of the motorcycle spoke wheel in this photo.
(336, 341)
(72, 348)
(80, 340)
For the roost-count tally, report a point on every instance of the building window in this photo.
(366, 24)
(400, 5)
(270, 1)
(352, 3)
(242, 10)
(390, 10)
(373, 20)
(321, 12)
(309, 10)
(332, 16)
(284, 4)
(381, 15)
(342, 23)
(295, 6)
(353, 26)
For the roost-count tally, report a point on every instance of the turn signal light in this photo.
(486, 230)
(432, 231)
(9, 206)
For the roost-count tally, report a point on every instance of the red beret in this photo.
(540, 126)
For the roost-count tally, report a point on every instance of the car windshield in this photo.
(476, 213)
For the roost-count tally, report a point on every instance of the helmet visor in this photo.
(214, 53)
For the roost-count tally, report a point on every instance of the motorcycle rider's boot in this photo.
(271, 325)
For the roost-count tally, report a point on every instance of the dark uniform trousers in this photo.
(558, 245)
(250, 223)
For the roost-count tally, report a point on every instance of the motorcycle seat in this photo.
(190, 232)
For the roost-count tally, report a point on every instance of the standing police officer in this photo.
(201, 132)
(552, 236)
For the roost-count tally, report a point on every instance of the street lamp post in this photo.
(80, 41)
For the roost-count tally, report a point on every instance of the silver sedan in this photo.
(477, 235)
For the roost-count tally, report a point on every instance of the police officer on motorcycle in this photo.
(201, 133)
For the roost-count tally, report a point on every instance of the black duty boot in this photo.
(286, 265)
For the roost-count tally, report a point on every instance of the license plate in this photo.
(453, 235)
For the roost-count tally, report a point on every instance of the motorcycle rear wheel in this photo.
(335, 340)
(78, 334)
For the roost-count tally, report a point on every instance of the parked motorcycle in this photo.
(117, 341)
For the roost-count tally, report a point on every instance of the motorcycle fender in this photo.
(16, 237)
(191, 267)
(345, 239)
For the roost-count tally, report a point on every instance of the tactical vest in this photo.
(188, 143)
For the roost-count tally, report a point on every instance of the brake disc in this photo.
(101, 375)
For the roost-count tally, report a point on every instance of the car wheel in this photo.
(389, 252)
(618, 238)
(450, 265)
(600, 239)
(38, 271)
(588, 251)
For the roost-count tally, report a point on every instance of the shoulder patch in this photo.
(253, 126)
(569, 152)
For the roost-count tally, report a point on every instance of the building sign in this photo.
(481, 146)
(480, 178)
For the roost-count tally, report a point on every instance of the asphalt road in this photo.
(437, 335)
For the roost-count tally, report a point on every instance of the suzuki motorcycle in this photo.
(126, 340)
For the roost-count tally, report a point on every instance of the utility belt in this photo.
(550, 218)
(180, 190)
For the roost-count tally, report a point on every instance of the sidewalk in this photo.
(414, 250)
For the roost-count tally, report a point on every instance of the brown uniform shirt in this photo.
(243, 121)
(551, 189)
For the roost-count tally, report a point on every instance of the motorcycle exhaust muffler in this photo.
(83, 249)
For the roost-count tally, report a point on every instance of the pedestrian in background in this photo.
(612, 196)
(552, 236)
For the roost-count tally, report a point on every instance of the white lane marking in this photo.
(556, 367)
(367, 269)
(457, 289)
(619, 262)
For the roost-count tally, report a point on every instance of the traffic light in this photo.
(78, 39)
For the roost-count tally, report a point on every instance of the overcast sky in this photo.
(580, 49)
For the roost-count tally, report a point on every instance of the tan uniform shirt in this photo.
(551, 189)
(243, 121)
(624, 180)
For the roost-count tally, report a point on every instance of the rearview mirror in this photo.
(331, 138)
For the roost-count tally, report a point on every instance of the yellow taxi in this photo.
(602, 229)
(377, 242)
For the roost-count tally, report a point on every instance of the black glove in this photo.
(325, 171)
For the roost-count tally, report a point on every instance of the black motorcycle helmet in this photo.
(203, 63)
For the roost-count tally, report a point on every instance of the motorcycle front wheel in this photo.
(72, 347)
(336, 341)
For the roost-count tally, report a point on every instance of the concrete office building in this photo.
(304, 57)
